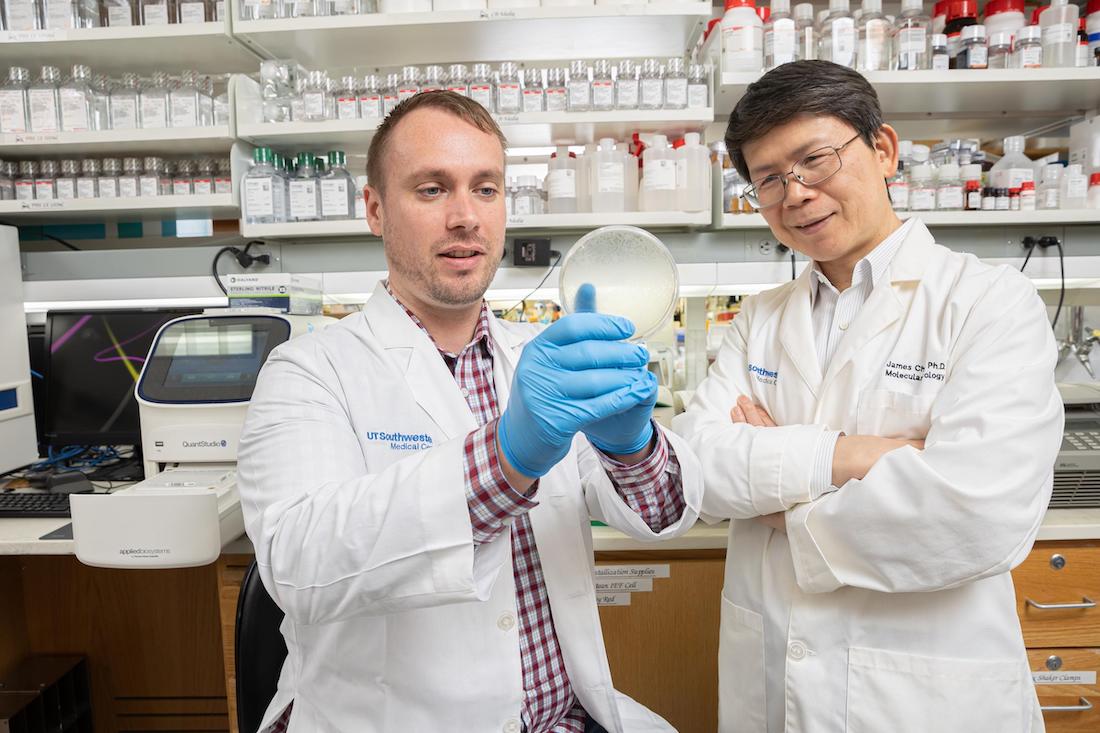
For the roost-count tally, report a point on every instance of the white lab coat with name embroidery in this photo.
(888, 605)
(353, 489)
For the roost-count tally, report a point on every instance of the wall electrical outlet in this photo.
(531, 252)
(765, 247)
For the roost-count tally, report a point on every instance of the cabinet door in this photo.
(1067, 678)
(1060, 574)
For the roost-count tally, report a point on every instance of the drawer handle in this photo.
(1085, 603)
(1083, 706)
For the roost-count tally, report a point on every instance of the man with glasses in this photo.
(882, 432)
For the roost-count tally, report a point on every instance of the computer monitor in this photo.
(93, 360)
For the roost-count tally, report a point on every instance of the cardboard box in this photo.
(289, 293)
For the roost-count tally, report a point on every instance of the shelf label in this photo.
(55, 34)
(604, 572)
(612, 599)
(507, 119)
(517, 221)
(495, 14)
(31, 138)
(41, 205)
(629, 585)
(1064, 678)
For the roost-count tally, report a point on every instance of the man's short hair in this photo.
(456, 104)
(789, 91)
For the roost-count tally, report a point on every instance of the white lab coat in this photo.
(394, 622)
(888, 605)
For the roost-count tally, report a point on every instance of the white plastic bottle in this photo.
(922, 191)
(630, 180)
(258, 189)
(561, 182)
(608, 178)
(1059, 24)
(693, 174)
(742, 37)
(873, 53)
(949, 189)
(838, 35)
(912, 37)
(527, 201)
(780, 36)
(658, 189)
(1014, 167)
(1074, 188)
(1049, 192)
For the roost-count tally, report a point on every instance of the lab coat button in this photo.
(511, 726)
(797, 650)
(465, 392)
(506, 622)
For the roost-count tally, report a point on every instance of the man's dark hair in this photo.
(816, 88)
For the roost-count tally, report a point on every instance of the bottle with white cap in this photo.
(922, 191)
(898, 184)
(949, 189)
(527, 200)
(1074, 188)
(1000, 50)
(838, 35)
(806, 29)
(1028, 48)
(658, 189)
(1049, 191)
(1059, 24)
(873, 52)
(561, 182)
(692, 174)
(1014, 167)
(912, 37)
(973, 52)
(780, 36)
(608, 179)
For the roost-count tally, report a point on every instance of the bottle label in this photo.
(1058, 33)
(743, 47)
(124, 113)
(1029, 57)
(259, 196)
(844, 41)
(532, 100)
(334, 197)
(653, 92)
(463, 90)
(108, 188)
(66, 188)
(59, 14)
(370, 106)
(13, 111)
(555, 100)
(192, 13)
(1027, 201)
(676, 93)
(223, 184)
(149, 186)
(85, 188)
(561, 183)
(181, 186)
(989, 203)
(609, 178)
(977, 57)
(603, 94)
(899, 195)
(298, 109)
(508, 97)
(43, 189)
(523, 206)
(626, 94)
(155, 14)
(389, 101)
(219, 10)
(659, 175)
(681, 173)
(347, 108)
(1077, 187)
(185, 110)
(24, 190)
(43, 104)
(949, 198)
(874, 48)
(974, 200)
(118, 16)
(954, 44)
(912, 41)
(483, 95)
(303, 199)
(780, 42)
(922, 199)
(314, 105)
(202, 185)
(406, 93)
(21, 15)
(1002, 203)
(74, 110)
(579, 93)
(1012, 177)
(698, 96)
(154, 111)
(128, 187)
(941, 62)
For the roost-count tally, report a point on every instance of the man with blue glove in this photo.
(418, 479)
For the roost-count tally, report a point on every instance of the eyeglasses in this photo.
(816, 168)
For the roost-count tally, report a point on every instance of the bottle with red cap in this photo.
(742, 37)
(1004, 16)
(1092, 26)
(960, 14)
(1083, 58)
(1094, 191)
(939, 16)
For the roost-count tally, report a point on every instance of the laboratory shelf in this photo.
(197, 206)
(953, 218)
(542, 223)
(527, 129)
(511, 34)
(164, 141)
(929, 104)
(206, 47)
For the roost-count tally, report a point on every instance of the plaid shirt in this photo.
(651, 488)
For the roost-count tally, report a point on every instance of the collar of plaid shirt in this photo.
(481, 330)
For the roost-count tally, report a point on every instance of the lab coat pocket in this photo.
(741, 702)
(893, 691)
(890, 414)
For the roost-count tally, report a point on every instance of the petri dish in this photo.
(633, 272)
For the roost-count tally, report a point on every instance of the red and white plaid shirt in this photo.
(651, 488)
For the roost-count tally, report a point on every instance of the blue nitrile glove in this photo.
(575, 373)
(630, 431)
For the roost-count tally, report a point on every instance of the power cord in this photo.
(557, 259)
(1031, 243)
(59, 240)
(244, 259)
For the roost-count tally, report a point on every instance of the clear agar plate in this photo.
(633, 273)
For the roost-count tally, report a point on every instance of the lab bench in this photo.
(160, 642)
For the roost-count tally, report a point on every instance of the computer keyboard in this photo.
(28, 505)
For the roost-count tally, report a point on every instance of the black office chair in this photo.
(259, 650)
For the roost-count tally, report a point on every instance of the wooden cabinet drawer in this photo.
(1084, 662)
(1059, 573)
